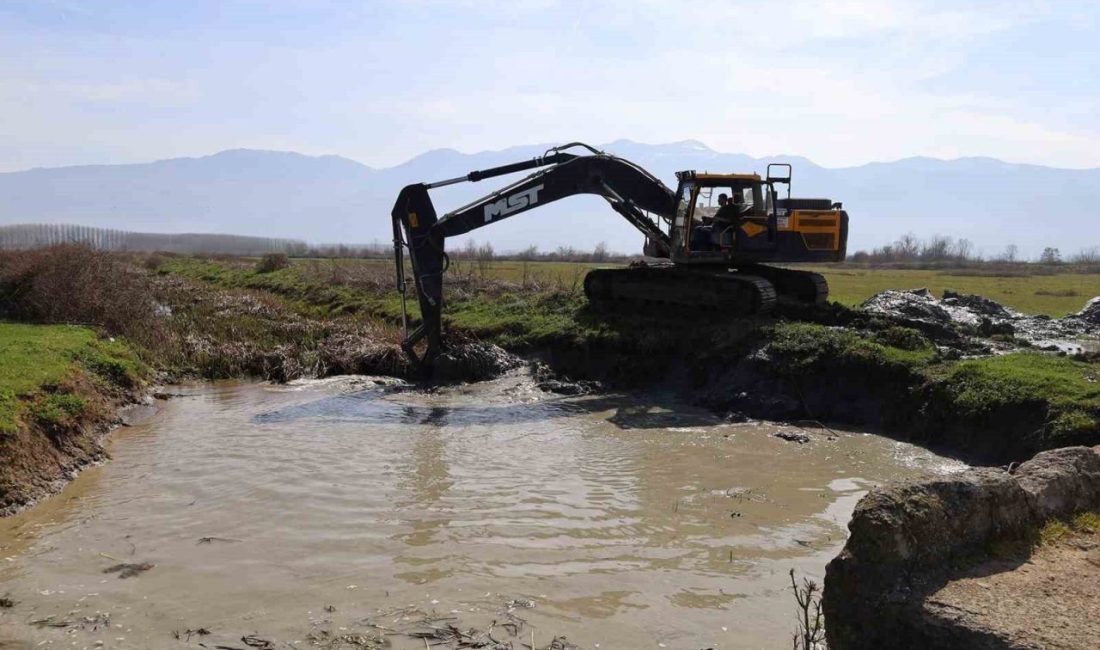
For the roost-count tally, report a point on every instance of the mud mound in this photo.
(987, 316)
(1091, 313)
(474, 362)
(918, 304)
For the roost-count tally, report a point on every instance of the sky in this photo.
(842, 83)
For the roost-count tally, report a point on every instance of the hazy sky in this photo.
(839, 82)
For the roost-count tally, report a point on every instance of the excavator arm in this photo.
(629, 190)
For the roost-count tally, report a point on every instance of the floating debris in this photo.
(129, 570)
(93, 623)
(188, 633)
(254, 641)
(211, 540)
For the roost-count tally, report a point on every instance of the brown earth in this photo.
(1051, 600)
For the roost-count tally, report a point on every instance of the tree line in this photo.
(30, 236)
(943, 250)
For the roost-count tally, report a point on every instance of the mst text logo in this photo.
(510, 204)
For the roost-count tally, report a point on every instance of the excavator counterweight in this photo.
(715, 255)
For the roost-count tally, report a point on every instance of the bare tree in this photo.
(1090, 255)
(1050, 255)
(810, 634)
(907, 247)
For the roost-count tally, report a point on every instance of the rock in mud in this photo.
(907, 540)
(474, 362)
(546, 379)
(792, 436)
(571, 388)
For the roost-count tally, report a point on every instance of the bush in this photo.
(75, 284)
(272, 262)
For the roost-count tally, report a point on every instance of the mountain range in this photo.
(330, 199)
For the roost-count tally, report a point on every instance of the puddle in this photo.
(301, 513)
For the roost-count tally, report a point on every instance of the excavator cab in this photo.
(760, 227)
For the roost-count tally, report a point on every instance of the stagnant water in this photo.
(305, 513)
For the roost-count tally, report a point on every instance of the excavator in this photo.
(708, 256)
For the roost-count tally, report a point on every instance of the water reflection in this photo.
(386, 407)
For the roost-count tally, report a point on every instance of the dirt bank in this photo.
(901, 579)
(61, 389)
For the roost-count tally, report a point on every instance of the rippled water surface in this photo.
(308, 512)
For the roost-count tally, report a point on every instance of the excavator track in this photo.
(792, 285)
(718, 290)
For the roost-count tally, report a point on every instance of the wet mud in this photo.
(355, 512)
(983, 317)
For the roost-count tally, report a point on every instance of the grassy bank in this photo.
(59, 385)
(993, 408)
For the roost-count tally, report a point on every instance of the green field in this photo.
(1031, 291)
(1055, 294)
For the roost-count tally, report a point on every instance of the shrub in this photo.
(272, 262)
(76, 284)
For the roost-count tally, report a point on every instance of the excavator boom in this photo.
(629, 190)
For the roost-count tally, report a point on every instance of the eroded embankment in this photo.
(914, 371)
(908, 541)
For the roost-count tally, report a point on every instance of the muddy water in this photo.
(302, 513)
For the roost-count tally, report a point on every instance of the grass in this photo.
(1057, 530)
(511, 314)
(803, 347)
(40, 359)
(977, 389)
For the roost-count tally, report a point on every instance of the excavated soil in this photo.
(988, 317)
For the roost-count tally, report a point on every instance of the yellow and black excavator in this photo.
(716, 233)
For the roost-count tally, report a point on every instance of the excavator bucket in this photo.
(413, 217)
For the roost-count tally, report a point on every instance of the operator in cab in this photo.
(702, 238)
(729, 214)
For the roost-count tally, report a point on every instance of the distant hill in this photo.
(330, 199)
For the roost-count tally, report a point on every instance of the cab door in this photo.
(757, 229)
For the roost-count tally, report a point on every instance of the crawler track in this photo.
(718, 290)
